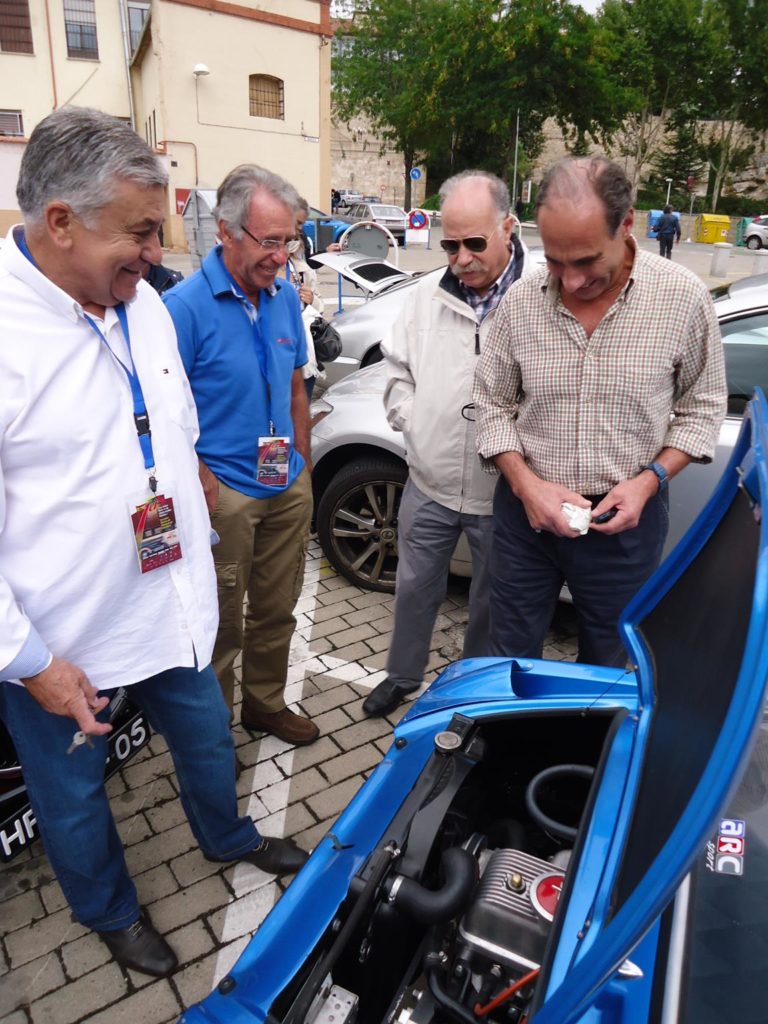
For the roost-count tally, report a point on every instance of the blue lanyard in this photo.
(140, 414)
(262, 355)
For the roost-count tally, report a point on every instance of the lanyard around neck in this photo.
(262, 355)
(140, 414)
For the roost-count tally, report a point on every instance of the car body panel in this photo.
(620, 879)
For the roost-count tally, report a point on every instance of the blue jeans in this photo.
(603, 572)
(71, 806)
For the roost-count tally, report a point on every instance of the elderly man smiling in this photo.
(106, 576)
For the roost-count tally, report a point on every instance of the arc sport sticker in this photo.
(725, 853)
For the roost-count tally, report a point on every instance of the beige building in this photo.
(208, 83)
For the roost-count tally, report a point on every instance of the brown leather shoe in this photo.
(285, 724)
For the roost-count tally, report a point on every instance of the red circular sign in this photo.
(545, 892)
(417, 219)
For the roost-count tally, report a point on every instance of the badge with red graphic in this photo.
(545, 892)
(156, 533)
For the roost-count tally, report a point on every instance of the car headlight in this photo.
(318, 410)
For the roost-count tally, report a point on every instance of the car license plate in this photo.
(19, 828)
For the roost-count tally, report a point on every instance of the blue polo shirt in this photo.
(227, 357)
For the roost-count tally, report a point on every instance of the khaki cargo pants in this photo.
(260, 556)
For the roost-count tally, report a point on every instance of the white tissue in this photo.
(577, 518)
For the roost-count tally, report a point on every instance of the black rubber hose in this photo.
(557, 828)
(437, 906)
(453, 1009)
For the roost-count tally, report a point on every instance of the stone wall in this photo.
(361, 161)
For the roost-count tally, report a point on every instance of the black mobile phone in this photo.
(605, 516)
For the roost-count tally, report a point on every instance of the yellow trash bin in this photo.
(711, 227)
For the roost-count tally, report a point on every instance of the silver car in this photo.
(756, 234)
(360, 463)
(394, 218)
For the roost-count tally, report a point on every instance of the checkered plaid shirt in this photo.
(589, 412)
(483, 304)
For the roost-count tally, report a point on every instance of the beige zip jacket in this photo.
(431, 354)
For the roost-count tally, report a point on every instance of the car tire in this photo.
(357, 521)
(753, 242)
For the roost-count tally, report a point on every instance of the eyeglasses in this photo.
(270, 244)
(475, 243)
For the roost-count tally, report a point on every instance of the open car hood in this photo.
(368, 273)
(698, 634)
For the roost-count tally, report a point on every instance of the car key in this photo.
(78, 740)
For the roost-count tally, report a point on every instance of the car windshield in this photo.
(746, 365)
(387, 211)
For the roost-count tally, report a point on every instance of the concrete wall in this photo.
(361, 161)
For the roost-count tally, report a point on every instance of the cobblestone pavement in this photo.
(53, 971)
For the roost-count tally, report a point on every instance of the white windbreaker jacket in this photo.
(431, 353)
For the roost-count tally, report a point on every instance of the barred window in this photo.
(265, 96)
(11, 122)
(137, 15)
(15, 28)
(80, 26)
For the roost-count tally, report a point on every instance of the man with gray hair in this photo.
(106, 575)
(242, 343)
(601, 380)
(431, 354)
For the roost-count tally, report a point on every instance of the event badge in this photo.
(274, 456)
(156, 533)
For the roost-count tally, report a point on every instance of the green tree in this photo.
(445, 79)
(680, 156)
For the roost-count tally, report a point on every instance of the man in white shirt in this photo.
(106, 575)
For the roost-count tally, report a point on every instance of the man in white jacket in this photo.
(431, 354)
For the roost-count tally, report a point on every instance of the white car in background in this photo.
(360, 463)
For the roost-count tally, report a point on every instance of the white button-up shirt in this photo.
(72, 471)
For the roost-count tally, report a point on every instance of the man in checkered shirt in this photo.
(602, 378)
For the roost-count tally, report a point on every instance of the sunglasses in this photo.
(475, 243)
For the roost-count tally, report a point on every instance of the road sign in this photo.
(525, 193)
(418, 219)
(415, 174)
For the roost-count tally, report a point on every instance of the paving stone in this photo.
(148, 770)
(289, 791)
(189, 903)
(295, 692)
(331, 802)
(192, 867)
(166, 815)
(243, 916)
(25, 873)
(133, 830)
(331, 721)
(343, 671)
(160, 848)
(52, 896)
(325, 700)
(286, 823)
(115, 786)
(194, 983)
(326, 628)
(375, 661)
(84, 954)
(380, 642)
(321, 612)
(361, 732)
(152, 1005)
(243, 878)
(78, 999)
(40, 938)
(190, 942)
(154, 884)
(20, 910)
(30, 982)
(338, 589)
(19, 1017)
(300, 670)
(366, 598)
(353, 763)
(310, 837)
(294, 761)
(377, 615)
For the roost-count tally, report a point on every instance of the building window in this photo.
(15, 29)
(137, 15)
(80, 26)
(11, 123)
(265, 96)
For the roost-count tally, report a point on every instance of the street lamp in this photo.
(669, 189)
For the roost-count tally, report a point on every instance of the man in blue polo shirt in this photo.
(242, 343)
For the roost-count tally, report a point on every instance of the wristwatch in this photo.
(659, 472)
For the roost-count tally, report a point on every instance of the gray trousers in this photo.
(427, 535)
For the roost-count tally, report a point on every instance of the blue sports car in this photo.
(547, 843)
